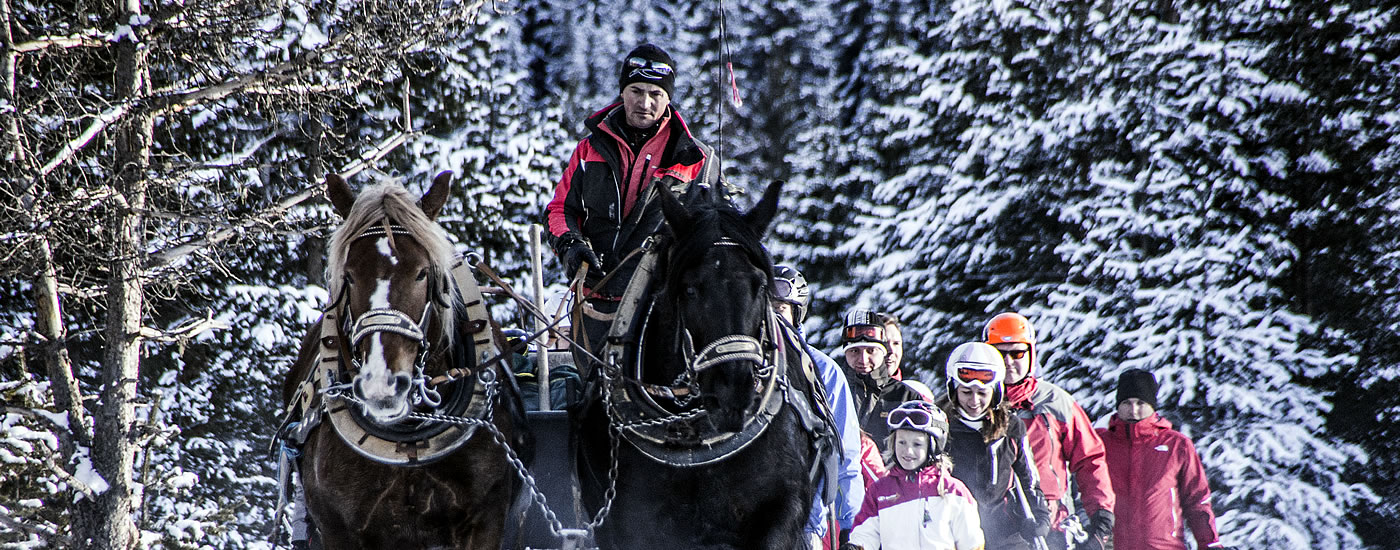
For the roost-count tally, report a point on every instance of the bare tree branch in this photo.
(170, 255)
(184, 332)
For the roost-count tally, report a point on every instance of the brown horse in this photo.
(400, 340)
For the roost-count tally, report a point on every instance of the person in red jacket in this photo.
(1062, 439)
(1156, 472)
(605, 205)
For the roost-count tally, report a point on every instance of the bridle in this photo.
(394, 321)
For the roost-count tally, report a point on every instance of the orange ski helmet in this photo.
(1012, 328)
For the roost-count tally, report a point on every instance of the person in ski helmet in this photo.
(918, 504)
(604, 206)
(1161, 483)
(874, 393)
(988, 446)
(1061, 437)
(791, 299)
(790, 292)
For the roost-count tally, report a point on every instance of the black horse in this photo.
(716, 429)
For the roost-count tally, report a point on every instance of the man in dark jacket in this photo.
(1157, 475)
(604, 207)
(874, 392)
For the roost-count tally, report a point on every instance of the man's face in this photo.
(1018, 360)
(896, 342)
(1133, 409)
(864, 359)
(644, 103)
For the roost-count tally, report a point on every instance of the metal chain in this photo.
(537, 497)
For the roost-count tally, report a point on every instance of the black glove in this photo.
(1100, 530)
(849, 546)
(574, 251)
(1031, 529)
(843, 536)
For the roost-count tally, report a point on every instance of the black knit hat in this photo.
(651, 64)
(1137, 383)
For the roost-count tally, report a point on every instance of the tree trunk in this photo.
(108, 523)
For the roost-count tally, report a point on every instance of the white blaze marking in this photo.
(376, 377)
(383, 245)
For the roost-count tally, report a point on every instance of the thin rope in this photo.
(719, 69)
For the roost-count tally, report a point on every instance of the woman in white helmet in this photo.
(989, 450)
(918, 505)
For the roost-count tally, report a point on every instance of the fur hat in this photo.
(651, 64)
(1137, 383)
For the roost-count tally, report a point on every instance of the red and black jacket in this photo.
(605, 195)
(1063, 441)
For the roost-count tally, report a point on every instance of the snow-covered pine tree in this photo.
(1329, 114)
(1175, 267)
(874, 59)
(968, 202)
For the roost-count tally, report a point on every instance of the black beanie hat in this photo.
(1137, 383)
(656, 68)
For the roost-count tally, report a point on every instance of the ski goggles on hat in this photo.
(914, 419)
(646, 68)
(870, 333)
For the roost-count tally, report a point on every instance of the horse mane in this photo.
(709, 223)
(393, 202)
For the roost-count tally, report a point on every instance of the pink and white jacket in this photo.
(924, 510)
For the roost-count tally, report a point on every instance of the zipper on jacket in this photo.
(621, 216)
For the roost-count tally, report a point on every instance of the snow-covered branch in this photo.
(12, 523)
(88, 38)
(186, 331)
(76, 144)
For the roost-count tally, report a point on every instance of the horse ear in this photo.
(676, 214)
(432, 201)
(762, 213)
(339, 193)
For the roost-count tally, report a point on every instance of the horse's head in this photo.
(388, 277)
(718, 279)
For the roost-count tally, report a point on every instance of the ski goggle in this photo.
(872, 333)
(647, 68)
(976, 376)
(782, 289)
(915, 419)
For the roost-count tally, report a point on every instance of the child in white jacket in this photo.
(919, 505)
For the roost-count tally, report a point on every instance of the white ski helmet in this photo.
(976, 365)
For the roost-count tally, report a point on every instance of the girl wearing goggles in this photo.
(919, 504)
(988, 447)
